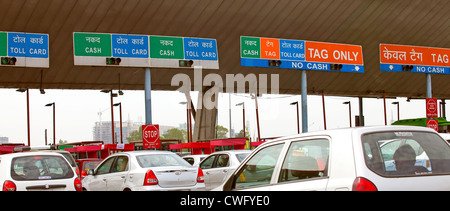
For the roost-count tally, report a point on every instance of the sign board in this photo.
(150, 136)
(416, 59)
(176, 52)
(19, 49)
(301, 54)
(432, 107)
(433, 124)
(97, 49)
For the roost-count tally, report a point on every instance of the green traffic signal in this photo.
(8, 60)
(113, 61)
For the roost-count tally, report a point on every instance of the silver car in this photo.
(144, 171)
(218, 166)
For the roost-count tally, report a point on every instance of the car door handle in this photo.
(123, 177)
(104, 180)
(225, 171)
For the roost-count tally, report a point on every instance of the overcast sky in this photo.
(77, 111)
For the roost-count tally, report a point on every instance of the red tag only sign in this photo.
(150, 136)
(432, 107)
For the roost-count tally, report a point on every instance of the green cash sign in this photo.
(92, 44)
(3, 44)
(166, 47)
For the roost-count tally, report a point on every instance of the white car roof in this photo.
(365, 129)
(232, 151)
(33, 153)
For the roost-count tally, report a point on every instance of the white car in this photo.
(194, 160)
(37, 171)
(358, 159)
(144, 171)
(218, 166)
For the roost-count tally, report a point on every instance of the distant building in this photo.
(102, 131)
(4, 140)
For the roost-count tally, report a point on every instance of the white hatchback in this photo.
(144, 171)
(37, 171)
(360, 159)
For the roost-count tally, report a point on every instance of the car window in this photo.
(105, 167)
(157, 160)
(305, 160)
(189, 160)
(40, 167)
(406, 153)
(222, 161)
(90, 165)
(259, 169)
(208, 162)
(241, 156)
(121, 164)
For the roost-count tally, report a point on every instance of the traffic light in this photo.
(335, 67)
(8, 60)
(407, 68)
(113, 61)
(274, 63)
(185, 63)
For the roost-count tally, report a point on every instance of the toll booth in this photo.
(443, 124)
(9, 148)
(97, 150)
(228, 144)
(210, 146)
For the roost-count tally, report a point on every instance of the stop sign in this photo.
(150, 136)
(433, 124)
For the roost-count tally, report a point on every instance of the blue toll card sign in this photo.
(200, 49)
(130, 46)
(26, 50)
(292, 50)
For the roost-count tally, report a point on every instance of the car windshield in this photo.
(40, 167)
(157, 160)
(406, 153)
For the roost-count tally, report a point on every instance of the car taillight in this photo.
(363, 184)
(200, 177)
(9, 186)
(77, 184)
(150, 178)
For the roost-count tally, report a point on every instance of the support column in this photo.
(429, 89)
(304, 103)
(205, 120)
(361, 113)
(148, 97)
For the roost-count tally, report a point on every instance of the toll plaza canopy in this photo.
(360, 22)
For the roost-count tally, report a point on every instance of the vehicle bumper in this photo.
(198, 187)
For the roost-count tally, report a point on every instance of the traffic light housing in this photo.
(8, 60)
(335, 67)
(407, 68)
(113, 61)
(185, 63)
(274, 63)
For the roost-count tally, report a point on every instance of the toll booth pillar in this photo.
(205, 118)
